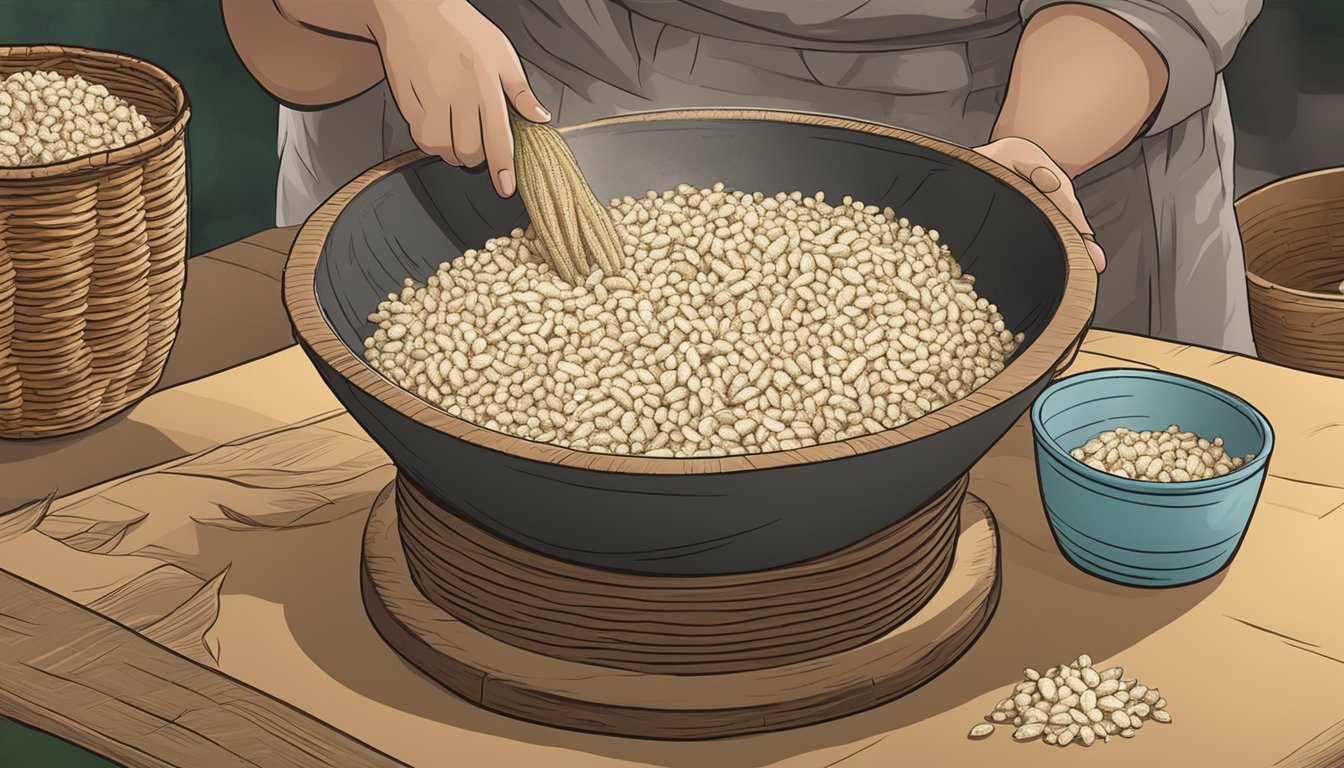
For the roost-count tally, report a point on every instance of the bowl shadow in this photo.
(326, 618)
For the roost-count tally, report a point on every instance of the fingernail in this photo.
(506, 183)
(1098, 255)
(543, 113)
(1045, 180)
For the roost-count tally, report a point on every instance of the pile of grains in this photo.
(46, 117)
(743, 324)
(1076, 704)
(1165, 457)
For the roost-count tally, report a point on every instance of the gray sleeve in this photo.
(321, 150)
(1196, 38)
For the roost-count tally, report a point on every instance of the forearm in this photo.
(302, 63)
(1083, 84)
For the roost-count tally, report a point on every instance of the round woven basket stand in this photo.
(661, 657)
(92, 257)
(678, 625)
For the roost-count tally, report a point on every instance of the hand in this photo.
(454, 75)
(1032, 163)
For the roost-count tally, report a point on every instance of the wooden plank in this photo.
(252, 257)
(101, 686)
(168, 425)
(1324, 751)
(308, 641)
(278, 239)
(232, 314)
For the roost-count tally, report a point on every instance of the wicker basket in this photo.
(1293, 231)
(92, 257)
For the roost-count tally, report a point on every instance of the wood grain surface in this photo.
(542, 688)
(294, 625)
(671, 624)
(1045, 355)
(72, 673)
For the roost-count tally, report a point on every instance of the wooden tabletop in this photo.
(240, 553)
(232, 313)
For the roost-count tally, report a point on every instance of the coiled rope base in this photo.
(675, 657)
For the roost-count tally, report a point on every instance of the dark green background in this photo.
(1286, 88)
(231, 136)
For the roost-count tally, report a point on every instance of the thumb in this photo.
(1028, 160)
(521, 97)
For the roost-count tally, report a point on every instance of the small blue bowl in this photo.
(1137, 532)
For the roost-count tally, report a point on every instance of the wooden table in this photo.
(230, 534)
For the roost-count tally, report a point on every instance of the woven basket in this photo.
(1293, 232)
(92, 257)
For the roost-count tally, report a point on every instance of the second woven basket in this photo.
(92, 257)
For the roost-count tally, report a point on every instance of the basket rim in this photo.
(1253, 198)
(1036, 361)
(1331, 300)
(123, 155)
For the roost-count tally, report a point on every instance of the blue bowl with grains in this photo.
(1117, 516)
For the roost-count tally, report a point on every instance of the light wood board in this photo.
(292, 622)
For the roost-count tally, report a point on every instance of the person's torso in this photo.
(938, 67)
(933, 66)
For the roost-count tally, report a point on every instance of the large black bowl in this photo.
(692, 516)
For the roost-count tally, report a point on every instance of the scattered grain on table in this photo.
(1075, 703)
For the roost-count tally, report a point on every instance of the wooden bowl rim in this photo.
(126, 154)
(1032, 363)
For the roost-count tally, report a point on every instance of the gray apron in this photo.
(1162, 208)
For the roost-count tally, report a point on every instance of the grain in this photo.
(1029, 731)
(733, 305)
(1047, 688)
(1059, 715)
(981, 730)
(1166, 456)
(47, 117)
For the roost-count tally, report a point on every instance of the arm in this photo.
(453, 73)
(1084, 83)
(301, 66)
(1194, 38)
(1090, 76)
